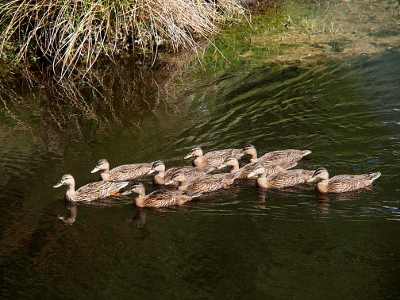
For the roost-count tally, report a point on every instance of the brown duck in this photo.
(342, 183)
(160, 198)
(123, 172)
(205, 183)
(162, 176)
(280, 179)
(288, 155)
(213, 158)
(91, 191)
(271, 167)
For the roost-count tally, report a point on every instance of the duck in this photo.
(91, 191)
(342, 183)
(270, 166)
(286, 155)
(280, 179)
(213, 158)
(206, 183)
(160, 198)
(163, 175)
(123, 172)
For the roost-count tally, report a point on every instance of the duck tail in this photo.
(289, 165)
(375, 175)
(306, 152)
(194, 194)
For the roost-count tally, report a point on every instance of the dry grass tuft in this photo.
(67, 33)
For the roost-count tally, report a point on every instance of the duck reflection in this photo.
(139, 219)
(324, 200)
(73, 208)
(300, 190)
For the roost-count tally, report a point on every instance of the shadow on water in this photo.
(242, 243)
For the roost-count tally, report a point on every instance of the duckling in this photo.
(287, 155)
(206, 183)
(163, 175)
(280, 179)
(271, 167)
(160, 198)
(91, 191)
(342, 183)
(123, 172)
(213, 158)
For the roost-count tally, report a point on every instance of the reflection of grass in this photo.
(73, 110)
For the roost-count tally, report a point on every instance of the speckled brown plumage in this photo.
(280, 179)
(205, 183)
(342, 183)
(213, 158)
(287, 155)
(160, 198)
(271, 167)
(91, 191)
(123, 172)
(162, 176)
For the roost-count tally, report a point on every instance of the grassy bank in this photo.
(65, 34)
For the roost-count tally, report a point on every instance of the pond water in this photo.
(242, 243)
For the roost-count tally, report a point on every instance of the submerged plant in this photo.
(67, 33)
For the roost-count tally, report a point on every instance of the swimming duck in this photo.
(206, 183)
(123, 172)
(280, 179)
(163, 175)
(91, 191)
(287, 155)
(270, 167)
(213, 158)
(160, 198)
(342, 183)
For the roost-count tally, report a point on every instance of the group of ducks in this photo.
(272, 170)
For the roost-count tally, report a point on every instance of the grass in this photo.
(68, 33)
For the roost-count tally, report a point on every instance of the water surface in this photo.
(242, 243)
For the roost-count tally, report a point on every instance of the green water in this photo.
(243, 243)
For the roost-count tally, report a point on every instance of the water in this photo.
(242, 243)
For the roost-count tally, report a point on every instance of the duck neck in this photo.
(322, 186)
(105, 175)
(199, 161)
(182, 185)
(141, 197)
(253, 155)
(235, 167)
(159, 178)
(262, 180)
(253, 159)
(71, 193)
(139, 201)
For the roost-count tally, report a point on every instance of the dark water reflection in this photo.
(242, 243)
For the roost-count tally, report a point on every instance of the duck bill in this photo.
(251, 174)
(188, 156)
(312, 179)
(57, 185)
(151, 171)
(94, 170)
(127, 192)
(221, 166)
(169, 182)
